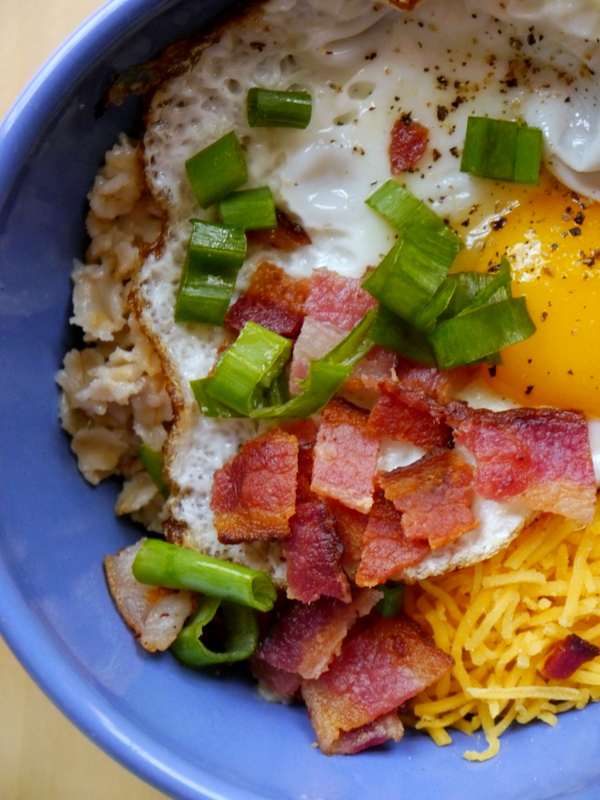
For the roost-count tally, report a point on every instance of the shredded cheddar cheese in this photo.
(499, 620)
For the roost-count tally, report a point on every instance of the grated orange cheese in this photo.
(499, 619)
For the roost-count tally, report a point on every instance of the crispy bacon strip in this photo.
(286, 236)
(155, 614)
(337, 300)
(314, 552)
(408, 144)
(387, 726)
(387, 550)
(391, 416)
(567, 656)
(278, 683)
(305, 431)
(334, 306)
(381, 665)
(345, 456)
(306, 637)
(273, 299)
(362, 385)
(434, 495)
(540, 457)
(254, 494)
(351, 527)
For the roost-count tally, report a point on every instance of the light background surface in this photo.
(42, 755)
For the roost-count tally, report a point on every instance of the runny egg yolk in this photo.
(551, 237)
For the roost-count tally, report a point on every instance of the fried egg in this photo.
(366, 65)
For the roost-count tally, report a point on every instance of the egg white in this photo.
(365, 65)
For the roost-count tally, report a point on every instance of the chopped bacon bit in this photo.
(345, 456)
(286, 236)
(314, 551)
(337, 300)
(382, 664)
(284, 685)
(155, 614)
(351, 526)
(540, 457)
(408, 144)
(334, 306)
(567, 656)
(387, 550)
(387, 726)
(362, 385)
(405, 5)
(434, 495)
(273, 299)
(254, 494)
(427, 380)
(306, 637)
(305, 431)
(315, 340)
(393, 418)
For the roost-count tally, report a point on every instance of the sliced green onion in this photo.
(269, 109)
(473, 335)
(428, 316)
(474, 289)
(403, 210)
(412, 272)
(325, 375)
(217, 170)
(390, 604)
(153, 464)
(207, 404)
(159, 563)
(250, 209)
(397, 335)
(240, 641)
(248, 367)
(214, 257)
(502, 150)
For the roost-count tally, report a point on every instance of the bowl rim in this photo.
(24, 123)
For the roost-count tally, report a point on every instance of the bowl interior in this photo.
(194, 735)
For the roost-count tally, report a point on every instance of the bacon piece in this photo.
(337, 300)
(306, 637)
(254, 494)
(408, 144)
(405, 5)
(434, 495)
(540, 457)
(278, 682)
(387, 726)
(334, 306)
(286, 236)
(273, 299)
(351, 527)
(567, 656)
(155, 614)
(362, 385)
(305, 431)
(345, 456)
(380, 667)
(387, 550)
(314, 551)
(392, 417)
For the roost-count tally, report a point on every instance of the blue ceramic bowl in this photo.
(191, 734)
